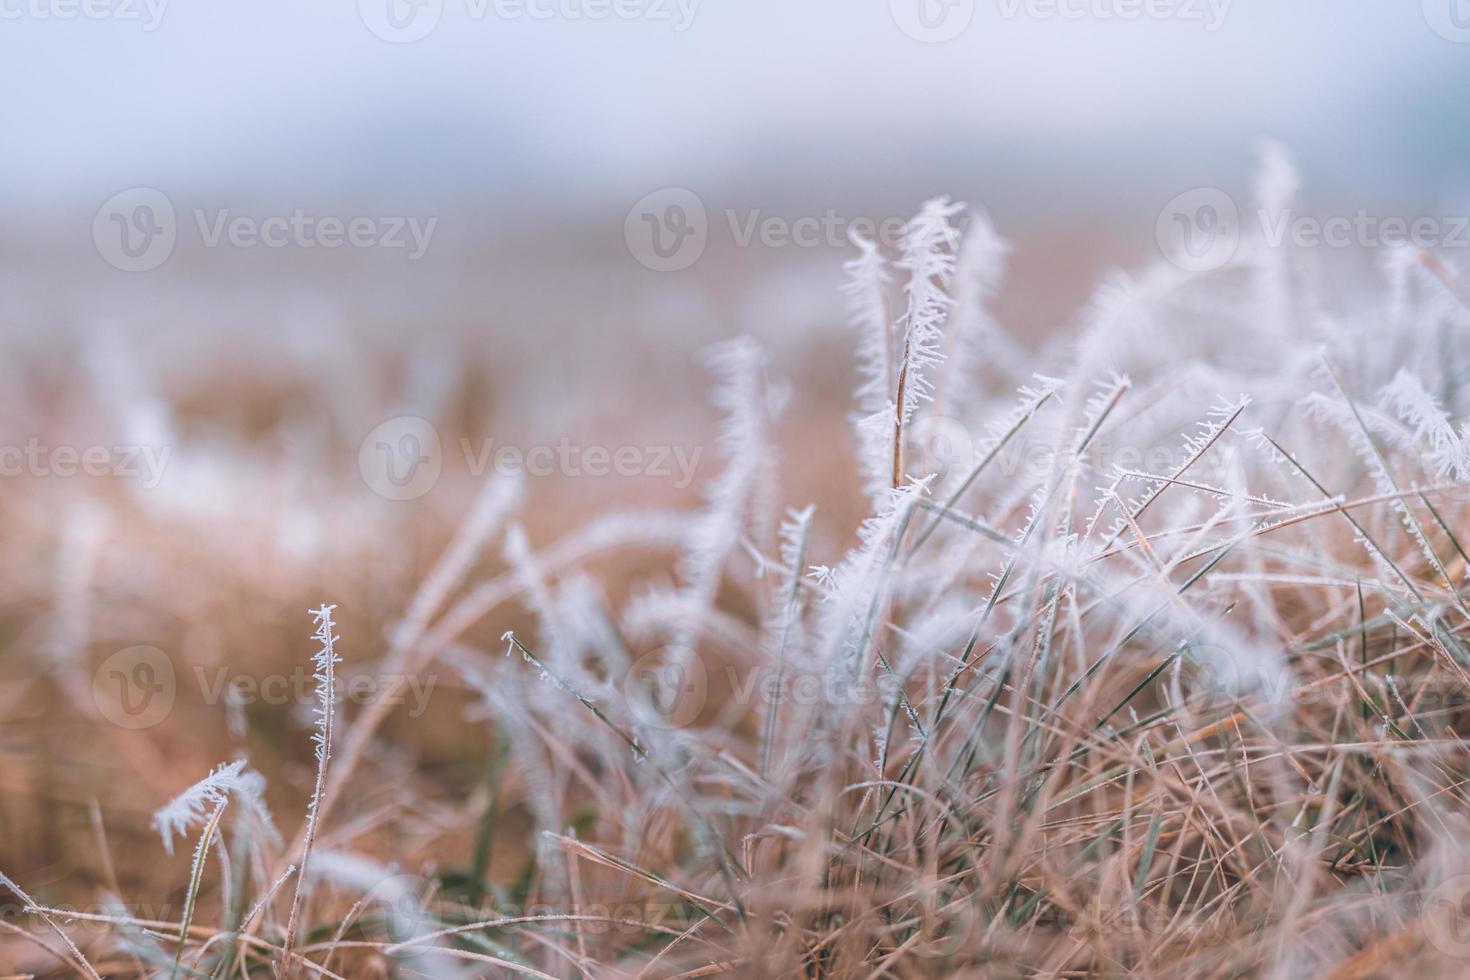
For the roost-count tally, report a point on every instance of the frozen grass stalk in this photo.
(325, 661)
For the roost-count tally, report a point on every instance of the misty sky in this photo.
(302, 97)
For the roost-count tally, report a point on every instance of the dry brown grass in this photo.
(1217, 734)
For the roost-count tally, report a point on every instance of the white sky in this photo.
(299, 94)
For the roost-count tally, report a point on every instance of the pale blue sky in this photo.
(286, 96)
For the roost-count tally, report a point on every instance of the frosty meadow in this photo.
(1111, 710)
